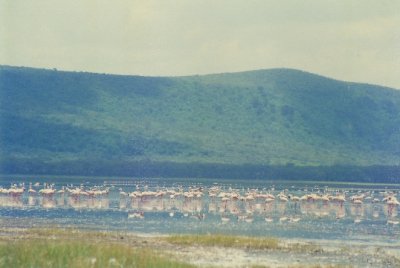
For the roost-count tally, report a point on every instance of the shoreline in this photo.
(116, 178)
(190, 248)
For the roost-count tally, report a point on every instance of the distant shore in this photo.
(217, 171)
(132, 180)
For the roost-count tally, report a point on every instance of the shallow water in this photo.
(369, 223)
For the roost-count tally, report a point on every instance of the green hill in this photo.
(267, 117)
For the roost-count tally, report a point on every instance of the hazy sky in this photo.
(344, 39)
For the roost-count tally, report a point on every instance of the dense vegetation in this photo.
(84, 123)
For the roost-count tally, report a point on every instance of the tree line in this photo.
(342, 173)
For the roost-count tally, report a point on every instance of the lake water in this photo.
(165, 206)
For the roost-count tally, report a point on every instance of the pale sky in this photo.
(343, 39)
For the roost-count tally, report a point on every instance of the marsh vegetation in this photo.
(56, 247)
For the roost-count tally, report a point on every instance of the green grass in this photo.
(67, 253)
(307, 266)
(321, 266)
(55, 247)
(220, 240)
(244, 242)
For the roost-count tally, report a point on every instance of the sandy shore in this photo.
(320, 257)
(291, 253)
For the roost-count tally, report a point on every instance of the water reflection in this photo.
(226, 204)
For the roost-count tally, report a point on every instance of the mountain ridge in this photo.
(268, 117)
(3, 66)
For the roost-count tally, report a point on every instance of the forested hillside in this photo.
(277, 117)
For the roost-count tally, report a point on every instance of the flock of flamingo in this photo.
(199, 201)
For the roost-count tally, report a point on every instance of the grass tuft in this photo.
(220, 240)
(243, 242)
(321, 266)
(66, 253)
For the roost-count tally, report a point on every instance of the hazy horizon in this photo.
(352, 40)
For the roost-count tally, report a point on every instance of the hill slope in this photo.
(272, 117)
